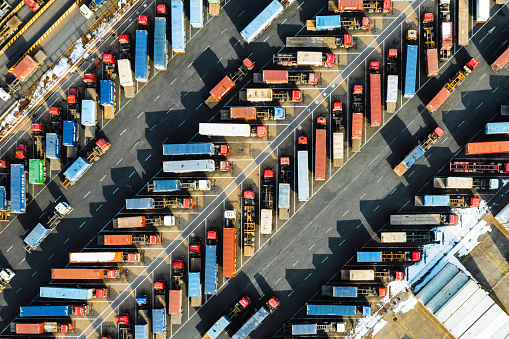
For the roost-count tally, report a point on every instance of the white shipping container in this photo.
(225, 130)
(309, 58)
(389, 237)
(482, 10)
(266, 221)
(392, 88)
(125, 72)
(338, 148)
(188, 166)
(259, 94)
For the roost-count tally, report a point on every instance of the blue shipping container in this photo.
(340, 310)
(194, 285)
(328, 22)
(262, 21)
(251, 324)
(52, 146)
(88, 112)
(18, 189)
(284, 196)
(437, 200)
(189, 149)
(369, 256)
(218, 327)
(410, 71)
(141, 331)
(196, 13)
(304, 329)
(141, 56)
(166, 185)
(160, 44)
(70, 133)
(497, 128)
(178, 32)
(3, 199)
(66, 293)
(413, 156)
(366, 311)
(139, 203)
(344, 291)
(76, 170)
(210, 285)
(107, 93)
(45, 311)
(37, 235)
(158, 321)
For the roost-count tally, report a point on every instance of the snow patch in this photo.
(406, 305)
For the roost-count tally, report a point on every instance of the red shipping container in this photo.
(229, 252)
(30, 328)
(438, 100)
(246, 113)
(25, 68)
(118, 239)
(129, 222)
(350, 5)
(275, 77)
(375, 99)
(357, 126)
(223, 87)
(432, 62)
(446, 36)
(174, 301)
(320, 153)
(501, 61)
(488, 147)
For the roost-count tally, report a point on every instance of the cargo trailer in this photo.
(210, 276)
(375, 93)
(160, 44)
(331, 310)
(231, 130)
(178, 30)
(53, 311)
(263, 20)
(52, 146)
(190, 166)
(18, 189)
(73, 293)
(344, 41)
(196, 149)
(36, 171)
(482, 11)
(196, 13)
(256, 319)
(428, 219)
(410, 71)
(487, 147)
(104, 257)
(501, 61)
(141, 70)
(320, 148)
(69, 133)
(302, 169)
(84, 273)
(229, 247)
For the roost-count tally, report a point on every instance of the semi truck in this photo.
(414, 236)
(104, 257)
(336, 310)
(142, 320)
(392, 80)
(418, 151)
(377, 256)
(231, 130)
(320, 148)
(357, 117)
(43, 327)
(178, 27)
(88, 116)
(264, 19)
(141, 70)
(143, 221)
(228, 82)
(194, 276)
(266, 211)
(84, 273)
(160, 202)
(159, 324)
(375, 92)
(125, 72)
(124, 326)
(22, 71)
(6, 275)
(268, 94)
(305, 58)
(248, 216)
(257, 319)
(466, 183)
(451, 85)
(284, 188)
(175, 292)
(445, 201)
(501, 61)
(128, 239)
(223, 322)
(160, 41)
(427, 219)
(253, 113)
(273, 77)
(190, 166)
(18, 189)
(353, 291)
(338, 134)
(331, 22)
(107, 98)
(229, 244)
(487, 147)
(370, 6)
(478, 167)
(73, 293)
(41, 230)
(429, 45)
(302, 169)
(411, 64)
(370, 275)
(53, 311)
(74, 172)
(173, 185)
(344, 41)
(196, 149)
(210, 276)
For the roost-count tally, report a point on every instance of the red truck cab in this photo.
(268, 173)
(249, 194)
(36, 127)
(73, 96)
(143, 20)
(472, 64)
(337, 107)
(101, 293)
(330, 60)
(33, 5)
(248, 63)
(123, 39)
(80, 310)
(296, 96)
(428, 17)
(4, 163)
(103, 144)
(382, 291)
(194, 248)
(224, 149)
(54, 111)
(161, 9)
(178, 265)
(21, 152)
(108, 58)
(357, 90)
(113, 273)
(415, 256)
(347, 41)
(89, 78)
(273, 303)
(133, 257)
(365, 23)
(159, 285)
(399, 275)
(302, 140)
(475, 202)
(212, 235)
(154, 239)
(321, 122)
(123, 320)
(187, 203)
(244, 302)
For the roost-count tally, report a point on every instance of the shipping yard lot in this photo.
(353, 203)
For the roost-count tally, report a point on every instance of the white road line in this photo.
(51, 256)
(43, 213)
(343, 242)
(444, 140)
(118, 162)
(380, 179)
(187, 67)
(19, 289)
(324, 259)
(329, 229)
(306, 278)
(97, 209)
(479, 105)
(295, 263)
(376, 208)
(139, 115)
(394, 190)
(148, 157)
(65, 242)
(130, 175)
(496, 89)
(346, 212)
(238, 16)
(362, 196)
(115, 191)
(123, 132)
(206, 48)
(203, 76)
(157, 98)
(82, 224)
(461, 123)
(173, 81)
(291, 292)
(151, 128)
(224, 30)
(197, 108)
(312, 247)
(86, 195)
(34, 274)
(182, 123)
(104, 177)
(10, 248)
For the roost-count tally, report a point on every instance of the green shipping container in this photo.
(36, 171)
(214, 1)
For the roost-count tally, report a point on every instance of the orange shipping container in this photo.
(487, 147)
(229, 255)
(438, 100)
(30, 328)
(375, 100)
(129, 222)
(350, 5)
(25, 68)
(432, 62)
(223, 87)
(246, 113)
(357, 126)
(174, 301)
(77, 273)
(320, 153)
(116, 239)
(275, 77)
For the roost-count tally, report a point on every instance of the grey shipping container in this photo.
(139, 203)
(52, 146)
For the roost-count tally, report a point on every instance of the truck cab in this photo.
(109, 65)
(178, 268)
(125, 47)
(6, 275)
(212, 237)
(34, 5)
(113, 273)
(21, 152)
